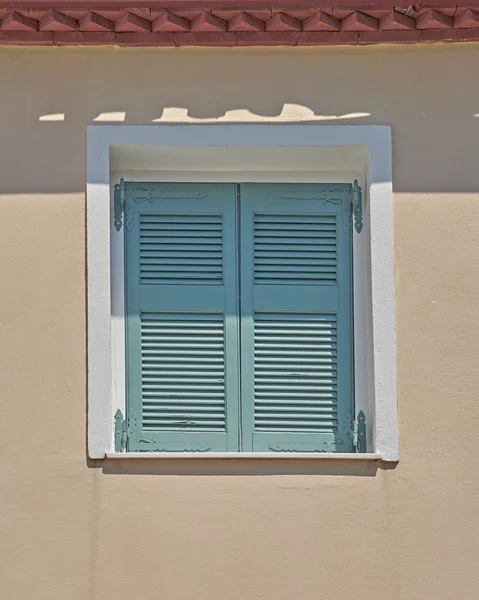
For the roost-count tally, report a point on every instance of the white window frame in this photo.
(342, 153)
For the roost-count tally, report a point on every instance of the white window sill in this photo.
(238, 455)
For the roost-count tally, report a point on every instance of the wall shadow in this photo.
(235, 467)
(431, 126)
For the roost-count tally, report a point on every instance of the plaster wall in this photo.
(234, 530)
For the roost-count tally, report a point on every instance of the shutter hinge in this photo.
(358, 433)
(124, 428)
(121, 434)
(357, 206)
(119, 204)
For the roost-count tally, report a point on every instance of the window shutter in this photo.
(181, 317)
(296, 317)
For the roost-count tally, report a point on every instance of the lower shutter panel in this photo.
(183, 372)
(295, 376)
(296, 318)
(182, 347)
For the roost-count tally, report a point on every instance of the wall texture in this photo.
(227, 530)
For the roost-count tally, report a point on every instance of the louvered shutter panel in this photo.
(181, 317)
(296, 317)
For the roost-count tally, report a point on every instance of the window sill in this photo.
(238, 455)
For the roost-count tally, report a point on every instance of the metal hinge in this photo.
(358, 433)
(123, 429)
(121, 434)
(119, 201)
(357, 206)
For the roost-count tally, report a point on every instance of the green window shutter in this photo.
(296, 317)
(181, 317)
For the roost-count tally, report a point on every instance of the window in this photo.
(296, 161)
(239, 317)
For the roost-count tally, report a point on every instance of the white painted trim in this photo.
(375, 346)
(118, 351)
(248, 455)
(100, 432)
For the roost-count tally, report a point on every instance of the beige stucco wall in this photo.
(74, 530)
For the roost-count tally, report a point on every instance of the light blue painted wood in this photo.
(296, 318)
(182, 317)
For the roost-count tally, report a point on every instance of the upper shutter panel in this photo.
(181, 249)
(295, 249)
(296, 315)
(181, 306)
